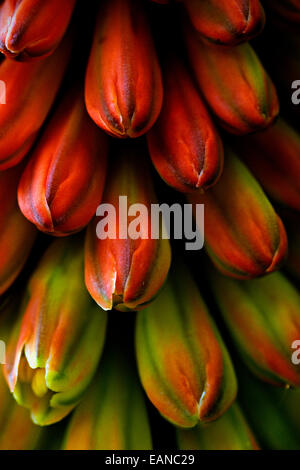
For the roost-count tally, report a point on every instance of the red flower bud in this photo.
(226, 21)
(184, 145)
(244, 236)
(123, 89)
(30, 89)
(122, 271)
(63, 182)
(234, 84)
(17, 235)
(33, 28)
(273, 156)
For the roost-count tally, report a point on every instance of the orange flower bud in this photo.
(112, 414)
(33, 28)
(17, 431)
(226, 21)
(244, 236)
(263, 318)
(123, 88)
(121, 271)
(234, 84)
(183, 363)
(57, 341)
(63, 182)
(17, 235)
(273, 156)
(30, 89)
(184, 145)
(230, 432)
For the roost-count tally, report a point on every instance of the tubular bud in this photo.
(227, 22)
(123, 88)
(263, 317)
(184, 144)
(55, 347)
(30, 89)
(124, 265)
(112, 415)
(230, 432)
(17, 234)
(183, 363)
(17, 431)
(244, 237)
(33, 28)
(234, 84)
(63, 182)
(273, 156)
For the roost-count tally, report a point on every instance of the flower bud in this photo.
(17, 235)
(244, 236)
(124, 265)
(184, 144)
(227, 22)
(230, 432)
(63, 182)
(30, 89)
(33, 28)
(112, 415)
(234, 84)
(183, 363)
(273, 156)
(17, 431)
(123, 88)
(263, 317)
(55, 347)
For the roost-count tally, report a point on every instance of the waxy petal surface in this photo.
(63, 182)
(183, 363)
(123, 88)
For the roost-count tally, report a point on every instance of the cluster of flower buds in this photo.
(92, 126)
